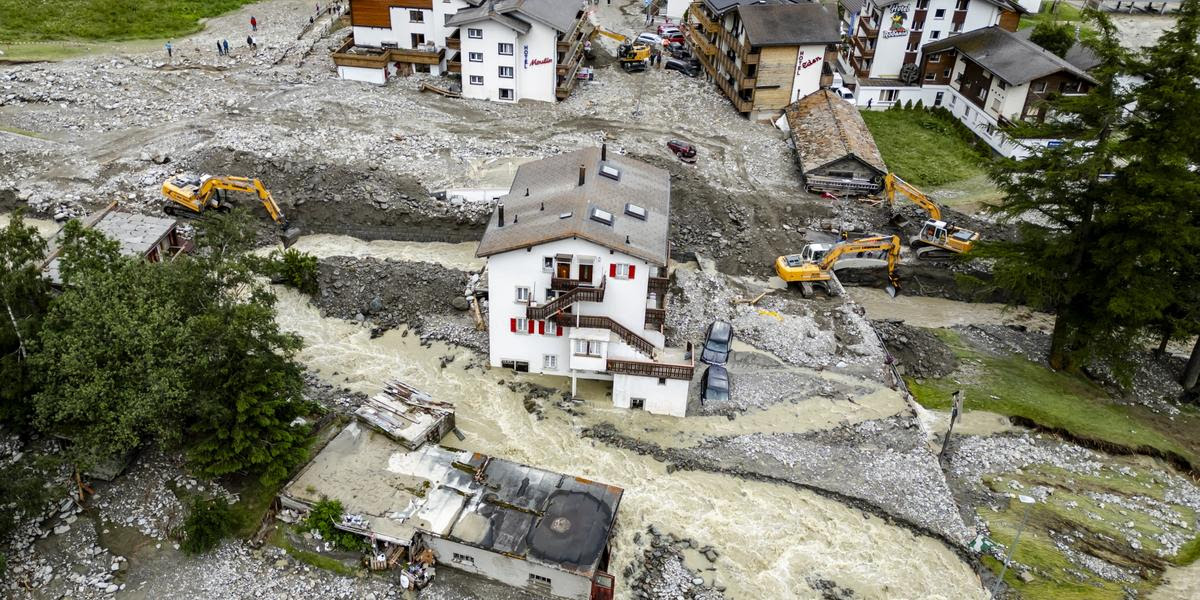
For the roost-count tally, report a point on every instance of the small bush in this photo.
(209, 522)
(293, 268)
(321, 519)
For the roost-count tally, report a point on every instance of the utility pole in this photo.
(955, 411)
(1028, 502)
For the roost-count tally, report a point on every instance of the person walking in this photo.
(220, 52)
(253, 23)
(250, 42)
(169, 54)
(226, 44)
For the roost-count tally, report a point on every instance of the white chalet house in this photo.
(577, 255)
(887, 35)
(503, 50)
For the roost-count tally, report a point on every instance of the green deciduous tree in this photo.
(208, 522)
(24, 297)
(1058, 38)
(1056, 264)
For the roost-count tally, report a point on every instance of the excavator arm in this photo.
(889, 244)
(248, 185)
(893, 184)
(611, 34)
(198, 198)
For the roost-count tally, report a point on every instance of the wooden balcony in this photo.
(563, 283)
(696, 13)
(634, 340)
(700, 42)
(871, 29)
(349, 55)
(579, 294)
(433, 56)
(454, 42)
(659, 285)
(655, 318)
(651, 369)
(864, 50)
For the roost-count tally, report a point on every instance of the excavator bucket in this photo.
(891, 290)
(289, 237)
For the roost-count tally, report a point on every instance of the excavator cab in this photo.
(197, 194)
(939, 240)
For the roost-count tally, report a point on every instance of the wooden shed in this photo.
(834, 149)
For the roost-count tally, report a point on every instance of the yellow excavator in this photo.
(938, 240)
(633, 55)
(198, 194)
(814, 264)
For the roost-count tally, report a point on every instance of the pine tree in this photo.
(24, 297)
(1058, 38)
(1054, 264)
(1161, 186)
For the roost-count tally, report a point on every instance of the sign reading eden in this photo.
(539, 61)
(804, 63)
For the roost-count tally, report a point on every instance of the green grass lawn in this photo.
(105, 20)
(1014, 386)
(1063, 12)
(1099, 529)
(922, 148)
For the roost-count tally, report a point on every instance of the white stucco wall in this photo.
(890, 51)
(536, 81)
(510, 571)
(530, 81)
(376, 76)
(809, 62)
(667, 398)
(624, 302)
(675, 9)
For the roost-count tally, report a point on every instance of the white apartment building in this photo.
(503, 50)
(887, 37)
(577, 255)
(989, 78)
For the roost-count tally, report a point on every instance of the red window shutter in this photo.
(530, 326)
(542, 327)
(512, 325)
(558, 330)
(612, 270)
(631, 267)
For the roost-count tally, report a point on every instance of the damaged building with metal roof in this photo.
(834, 148)
(523, 526)
(155, 239)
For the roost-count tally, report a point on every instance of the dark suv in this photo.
(714, 386)
(688, 68)
(717, 341)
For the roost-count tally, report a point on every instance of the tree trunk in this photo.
(1191, 374)
(1060, 346)
(16, 330)
(1162, 344)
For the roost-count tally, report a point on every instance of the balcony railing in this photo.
(349, 55)
(655, 317)
(871, 29)
(634, 340)
(696, 13)
(565, 283)
(454, 42)
(650, 369)
(658, 285)
(863, 49)
(579, 294)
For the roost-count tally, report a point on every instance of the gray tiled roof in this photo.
(826, 128)
(786, 24)
(1010, 57)
(558, 14)
(554, 190)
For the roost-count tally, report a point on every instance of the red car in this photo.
(683, 150)
(670, 33)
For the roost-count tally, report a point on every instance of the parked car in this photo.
(717, 341)
(683, 66)
(843, 93)
(670, 34)
(678, 50)
(654, 40)
(683, 150)
(665, 27)
(714, 386)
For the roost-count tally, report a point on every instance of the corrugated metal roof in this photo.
(557, 207)
(826, 128)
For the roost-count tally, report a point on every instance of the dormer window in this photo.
(612, 173)
(635, 211)
(602, 216)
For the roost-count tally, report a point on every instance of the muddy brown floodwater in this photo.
(771, 537)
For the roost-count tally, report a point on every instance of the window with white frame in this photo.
(548, 264)
(888, 95)
(933, 35)
(477, 80)
(475, 56)
(522, 294)
(551, 328)
(475, 34)
(522, 326)
(506, 94)
(930, 76)
(416, 16)
(506, 72)
(939, 13)
(504, 49)
(590, 348)
(550, 362)
(622, 271)
(935, 58)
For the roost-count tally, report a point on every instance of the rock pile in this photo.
(661, 574)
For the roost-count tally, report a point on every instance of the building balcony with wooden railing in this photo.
(564, 301)
(867, 26)
(658, 286)
(454, 63)
(454, 41)
(700, 41)
(683, 370)
(350, 55)
(863, 47)
(695, 12)
(655, 318)
(627, 335)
